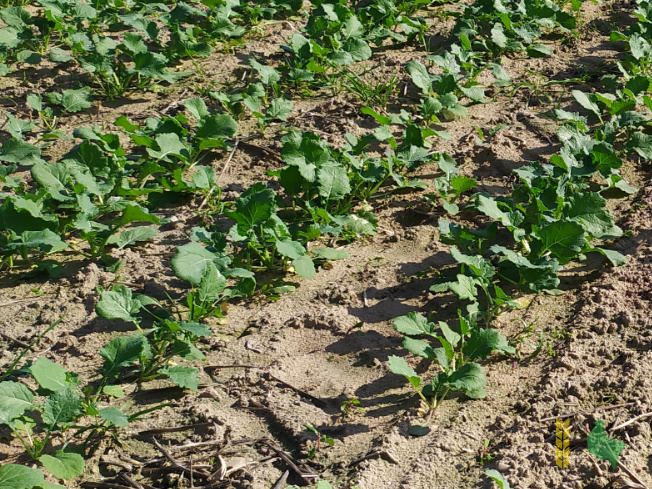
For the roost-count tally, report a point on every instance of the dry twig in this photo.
(587, 411)
(226, 165)
(631, 474)
(377, 453)
(175, 463)
(315, 400)
(633, 420)
(281, 482)
(293, 464)
(159, 431)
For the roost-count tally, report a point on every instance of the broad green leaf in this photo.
(290, 249)
(413, 324)
(184, 377)
(489, 207)
(196, 329)
(352, 27)
(63, 465)
(498, 479)
(301, 46)
(357, 48)
(605, 158)
(58, 55)
(480, 266)
(451, 336)
(419, 430)
(212, 284)
(14, 476)
(132, 236)
(49, 485)
(114, 416)
(476, 94)
(49, 375)
(603, 447)
(72, 100)
(20, 215)
(642, 144)
(329, 253)
(279, 109)
(169, 144)
(124, 123)
(418, 347)
(483, 342)
(254, 207)
(498, 35)
(135, 213)
(381, 119)
(45, 241)
(134, 43)
(586, 102)
(430, 107)
(197, 107)
(192, 260)
(357, 224)
(122, 352)
(333, 182)
(444, 357)
(452, 109)
(153, 65)
(187, 351)
(304, 266)
(469, 377)
(204, 177)
(28, 56)
(15, 16)
(268, 75)
(15, 399)
(464, 288)
(18, 151)
(53, 177)
(534, 277)
(114, 391)
(118, 303)
(420, 76)
(462, 184)
(539, 51)
(35, 102)
(448, 62)
(62, 408)
(589, 210)
(399, 366)
(564, 239)
(615, 258)
(18, 127)
(638, 84)
(217, 126)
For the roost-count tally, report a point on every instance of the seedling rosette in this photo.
(455, 356)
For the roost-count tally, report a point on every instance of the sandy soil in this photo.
(275, 367)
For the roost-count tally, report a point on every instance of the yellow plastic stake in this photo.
(562, 451)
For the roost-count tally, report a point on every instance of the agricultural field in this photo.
(348, 245)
